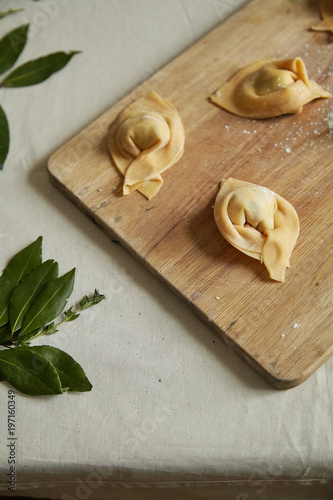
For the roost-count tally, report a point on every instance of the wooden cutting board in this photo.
(283, 330)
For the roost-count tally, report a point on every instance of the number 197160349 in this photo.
(11, 412)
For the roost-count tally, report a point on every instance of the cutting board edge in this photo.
(280, 382)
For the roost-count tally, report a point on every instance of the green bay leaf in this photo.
(29, 372)
(71, 373)
(4, 137)
(49, 303)
(5, 333)
(27, 291)
(37, 70)
(11, 46)
(18, 267)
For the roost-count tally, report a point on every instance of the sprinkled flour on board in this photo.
(329, 120)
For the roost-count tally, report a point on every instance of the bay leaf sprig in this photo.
(51, 328)
(32, 296)
(32, 72)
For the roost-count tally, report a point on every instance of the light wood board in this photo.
(283, 330)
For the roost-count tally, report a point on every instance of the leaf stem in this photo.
(70, 314)
(8, 12)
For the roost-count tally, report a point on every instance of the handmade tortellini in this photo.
(268, 88)
(326, 11)
(258, 222)
(146, 138)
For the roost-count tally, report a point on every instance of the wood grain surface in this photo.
(283, 330)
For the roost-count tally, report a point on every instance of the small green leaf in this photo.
(4, 137)
(27, 291)
(50, 329)
(70, 372)
(19, 266)
(11, 47)
(88, 302)
(29, 372)
(5, 13)
(71, 315)
(37, 70)
(49, 303)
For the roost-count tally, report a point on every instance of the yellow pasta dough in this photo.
(258, 222)
(326, 11)
(146, 138)
(268, 88)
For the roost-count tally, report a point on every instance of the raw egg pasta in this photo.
(146, 138)
(326, 11)
(258, 222)
(268, 88)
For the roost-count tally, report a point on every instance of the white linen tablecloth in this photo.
(173, 413)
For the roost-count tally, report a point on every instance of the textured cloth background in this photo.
(172, 412)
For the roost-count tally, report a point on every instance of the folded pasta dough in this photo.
(268, 88)
(146, 138)
(326, 11)
(258, 222)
